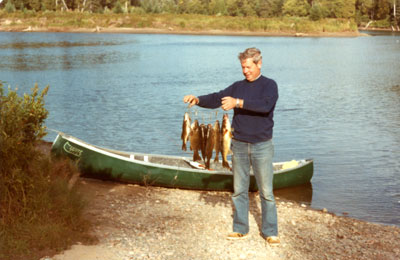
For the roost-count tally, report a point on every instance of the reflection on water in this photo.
(62, 44)
(338, 101)
(301, 194)
(37, 54)
(380, 32)
(395, 88)
(63, 61)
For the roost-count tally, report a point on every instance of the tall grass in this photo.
(38, 210)
(185, 22)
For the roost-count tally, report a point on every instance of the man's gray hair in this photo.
(250, 53)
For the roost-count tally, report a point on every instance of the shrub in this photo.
(10, 7)
(118, 8)
(316, 12)
(37, 208)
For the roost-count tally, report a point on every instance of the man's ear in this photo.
(259, 64)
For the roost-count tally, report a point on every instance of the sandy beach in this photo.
(144, 222)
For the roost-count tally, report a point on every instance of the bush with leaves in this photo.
(118, 8)
(316, 12)
(35, 201)
(10, 7)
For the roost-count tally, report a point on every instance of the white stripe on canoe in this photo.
(145, 157)
(131, 158)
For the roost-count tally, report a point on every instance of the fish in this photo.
(217, 142)
(203, 130)
(210, 144)
(185, 130)
(226, 136)
(195, 140)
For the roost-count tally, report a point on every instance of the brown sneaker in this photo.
(236, 236)
(273, 240)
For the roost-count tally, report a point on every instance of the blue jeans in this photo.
(259, 156)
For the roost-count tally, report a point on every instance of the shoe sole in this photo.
(237, 238)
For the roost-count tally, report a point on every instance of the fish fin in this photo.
(225, 164)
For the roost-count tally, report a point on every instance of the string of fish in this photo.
(205, 139)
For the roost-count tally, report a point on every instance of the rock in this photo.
(29, 29)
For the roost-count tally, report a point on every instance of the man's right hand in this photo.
(191, 99)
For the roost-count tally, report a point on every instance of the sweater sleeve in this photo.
(265, 103)
(213, 100)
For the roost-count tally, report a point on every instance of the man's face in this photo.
(251, 70)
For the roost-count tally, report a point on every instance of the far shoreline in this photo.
(127, 30)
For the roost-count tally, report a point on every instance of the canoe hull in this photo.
(136, 168)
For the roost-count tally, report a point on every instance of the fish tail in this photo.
(196, 156)
(208, 164)
(225, 164)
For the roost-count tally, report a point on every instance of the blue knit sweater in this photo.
(254, 122)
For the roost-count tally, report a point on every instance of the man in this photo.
(253, 100)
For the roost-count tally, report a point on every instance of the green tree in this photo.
(339, 8)
(316, 11)
(118, 8)
(10, 7)
(49, 5)
(217, 7)
(249, 7)
(382, 8)
(151, 6)
(195, 7)
(366, 7)
(94, 6)
(270, 8)
(296, 8)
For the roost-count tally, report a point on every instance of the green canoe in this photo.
(167, 171)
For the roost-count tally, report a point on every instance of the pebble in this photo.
(193, 225)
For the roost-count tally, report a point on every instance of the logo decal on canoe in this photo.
(72, 150)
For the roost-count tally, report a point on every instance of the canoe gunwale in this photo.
(126, 156)
(110, 153)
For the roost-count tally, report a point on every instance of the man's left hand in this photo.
(228, 103)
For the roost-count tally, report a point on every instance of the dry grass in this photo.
(188, 22)
(53, 217)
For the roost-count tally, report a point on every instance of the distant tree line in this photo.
(314, 9)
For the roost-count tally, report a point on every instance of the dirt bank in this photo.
(137, 222)
(21, 28)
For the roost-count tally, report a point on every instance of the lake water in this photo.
(339, 101)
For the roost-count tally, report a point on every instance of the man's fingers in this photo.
(192, 100)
